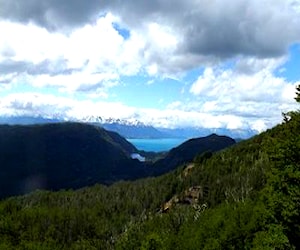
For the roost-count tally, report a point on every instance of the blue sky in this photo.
(292, 64)
(195, 63)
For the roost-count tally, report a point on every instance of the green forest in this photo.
(244, 197)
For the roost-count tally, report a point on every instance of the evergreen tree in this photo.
(297, 98)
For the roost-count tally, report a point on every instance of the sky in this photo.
(168, 63)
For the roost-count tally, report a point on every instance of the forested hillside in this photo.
(62, 155)
(185, 152)
(74, 155)
(244, 197)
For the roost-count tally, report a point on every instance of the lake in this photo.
(156, 145)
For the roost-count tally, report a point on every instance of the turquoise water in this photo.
(156, 145)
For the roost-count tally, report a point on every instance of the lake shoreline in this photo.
(156, 145)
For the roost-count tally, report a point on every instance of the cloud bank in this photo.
(86, 48)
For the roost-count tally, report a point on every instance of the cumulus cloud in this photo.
(218, 28)
(236, 84)
(166, 37)
(90, 58)
(79, 46)
(34, 104)
(46, 105)
(221, 28)
(247, 90)
(53, 14)
(243, 27)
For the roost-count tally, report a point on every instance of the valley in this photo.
(245, 196)
(54, 156)
(207, 193)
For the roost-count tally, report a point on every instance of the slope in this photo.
(244, 197)
(248, 199)
(187, 151)
(63, 155)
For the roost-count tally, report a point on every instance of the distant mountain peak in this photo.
(130, 127)
(111, 120)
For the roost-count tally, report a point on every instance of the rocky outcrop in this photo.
(191, 196)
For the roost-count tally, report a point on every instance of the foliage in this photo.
(74, 155)
(62, 155)
(297, 98)
(250, 200)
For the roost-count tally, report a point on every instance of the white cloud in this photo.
(203, 83)
(174, 105)
(162, 37)
(84, 81)
(74, 50)
(99, 44)
(89, 55)
(259, 125)
(183, 36)
(34, 104)
(244, 91)
(29, 42)
(152, 69)
(207, 114)
(262, 28)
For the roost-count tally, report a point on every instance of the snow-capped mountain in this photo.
(110, 120)
(132, 128)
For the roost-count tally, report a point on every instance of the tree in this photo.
(284, 184)
(297, 98)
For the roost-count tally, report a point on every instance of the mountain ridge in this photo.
(73, 155)
(63, 155)
(132, 128)
(186, 152)
(243, 197)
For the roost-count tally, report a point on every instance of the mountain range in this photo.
(133, 129)
(66, 155)
(243, 197)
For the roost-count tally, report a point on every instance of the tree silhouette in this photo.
(297, 98)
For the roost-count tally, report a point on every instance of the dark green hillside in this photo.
(186, 152)
(248, 199)
(122, 143)
(64, 155)
(73, 155)
(244, 197)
